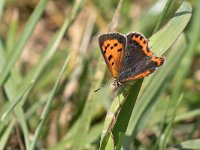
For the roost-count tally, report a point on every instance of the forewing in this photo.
(113, 47)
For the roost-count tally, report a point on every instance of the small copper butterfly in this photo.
(128, 57)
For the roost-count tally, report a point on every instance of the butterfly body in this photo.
(128, 57)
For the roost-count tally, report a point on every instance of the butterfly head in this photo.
(116, 83)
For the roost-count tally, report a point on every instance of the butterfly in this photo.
(128, 57)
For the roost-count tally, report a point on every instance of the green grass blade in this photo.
(47, 106)
(165, 37)
(6, 135)
(23, 40)
(16, 101)
(162, 16)
(2, 55)
(187, 115)
(121, 124)
(189, 144)
(163, 142)
(110, 143)
(11, 38)
(11, 92)
(2, 2)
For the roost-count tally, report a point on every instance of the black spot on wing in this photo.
(107, 46)
(110, 57)
(119, 50)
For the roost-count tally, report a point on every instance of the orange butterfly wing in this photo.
(113, 48)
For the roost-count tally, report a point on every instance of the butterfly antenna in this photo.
(104, 85)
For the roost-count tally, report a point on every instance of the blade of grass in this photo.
(162, 16)
(16, 101)
(114, 109)
(110, 143)
(2, 2)
(11, 92)
(162, 123)
(11, 37)
(23, 40)
(163, 142)
(47, 106)
(189, 144)
(165, 37)
(187, 115)
(6, 135)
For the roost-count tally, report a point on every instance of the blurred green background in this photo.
(50, 65)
